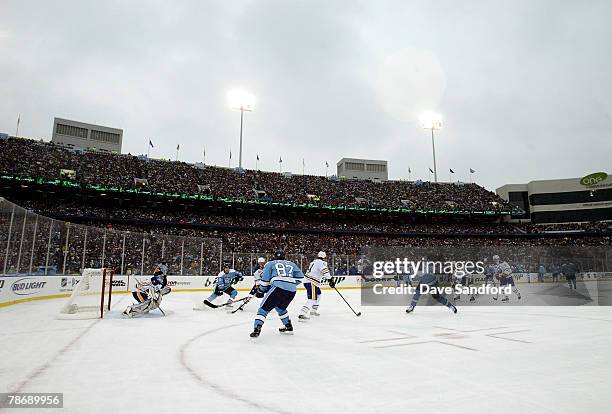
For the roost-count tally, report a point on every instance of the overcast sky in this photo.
(524, 86)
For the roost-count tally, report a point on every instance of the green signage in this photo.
(592, 179)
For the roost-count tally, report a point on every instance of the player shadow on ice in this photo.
(562, 295)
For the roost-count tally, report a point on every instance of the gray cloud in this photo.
(527, 83)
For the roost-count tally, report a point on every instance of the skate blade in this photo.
(286, 333)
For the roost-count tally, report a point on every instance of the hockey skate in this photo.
(410, 308)
(255, 332)
(452, 307)
(314, 313)
(287, 329)
(303, 318)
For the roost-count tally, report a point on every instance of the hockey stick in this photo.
(348, 304)
(212, 305)
(241, 307)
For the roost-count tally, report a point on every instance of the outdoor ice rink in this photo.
(484, 359)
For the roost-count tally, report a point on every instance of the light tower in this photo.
(241, 100)
(432, 121)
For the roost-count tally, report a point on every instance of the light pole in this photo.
(241, 100)
(432, 121)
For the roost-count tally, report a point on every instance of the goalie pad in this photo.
(141, 308)
(152, 299)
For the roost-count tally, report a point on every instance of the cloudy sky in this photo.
(524, 86)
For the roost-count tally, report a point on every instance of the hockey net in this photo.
(91, 297)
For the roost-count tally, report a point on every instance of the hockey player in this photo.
(317, 273)
(261, 262)
(463, 280)
(489, 275)
(277, 287)
(503, 272)
(149, 294)
(162, 267)
(223, 284)
(555, 270)
(569, 270)
(432, 281)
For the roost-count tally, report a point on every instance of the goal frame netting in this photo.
(72, 310)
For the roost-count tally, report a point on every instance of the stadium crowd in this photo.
(45, 160)
(70, 210)
(196, 240)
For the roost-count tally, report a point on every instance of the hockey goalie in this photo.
(149, 294)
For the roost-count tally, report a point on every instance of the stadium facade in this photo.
(581, 199)
(361, 169)
(80, 135)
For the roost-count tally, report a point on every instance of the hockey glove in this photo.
(332, 283)
(253, 291)
(218, 291)
(259, 294)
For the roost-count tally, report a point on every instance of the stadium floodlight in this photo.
(241, 100)
(432, 121)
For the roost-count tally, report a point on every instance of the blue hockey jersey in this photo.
(283, 274)
(225, 280)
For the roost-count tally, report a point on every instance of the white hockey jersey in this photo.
(257, 276)
(503, 269)
(317, 272)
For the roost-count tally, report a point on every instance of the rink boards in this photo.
(24, 288)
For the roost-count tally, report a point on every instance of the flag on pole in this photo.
(280, 160)
(431, 171)
(151, 144)
(257, 157)
(326, 164)
(472, 171)
(18, 120)
(409, 170)
(451, 170)
(178, 146)
(230, 154)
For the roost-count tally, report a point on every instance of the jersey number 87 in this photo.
(281, 269)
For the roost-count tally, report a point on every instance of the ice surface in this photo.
(484, 359)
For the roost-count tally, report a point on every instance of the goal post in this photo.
(91, 296)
